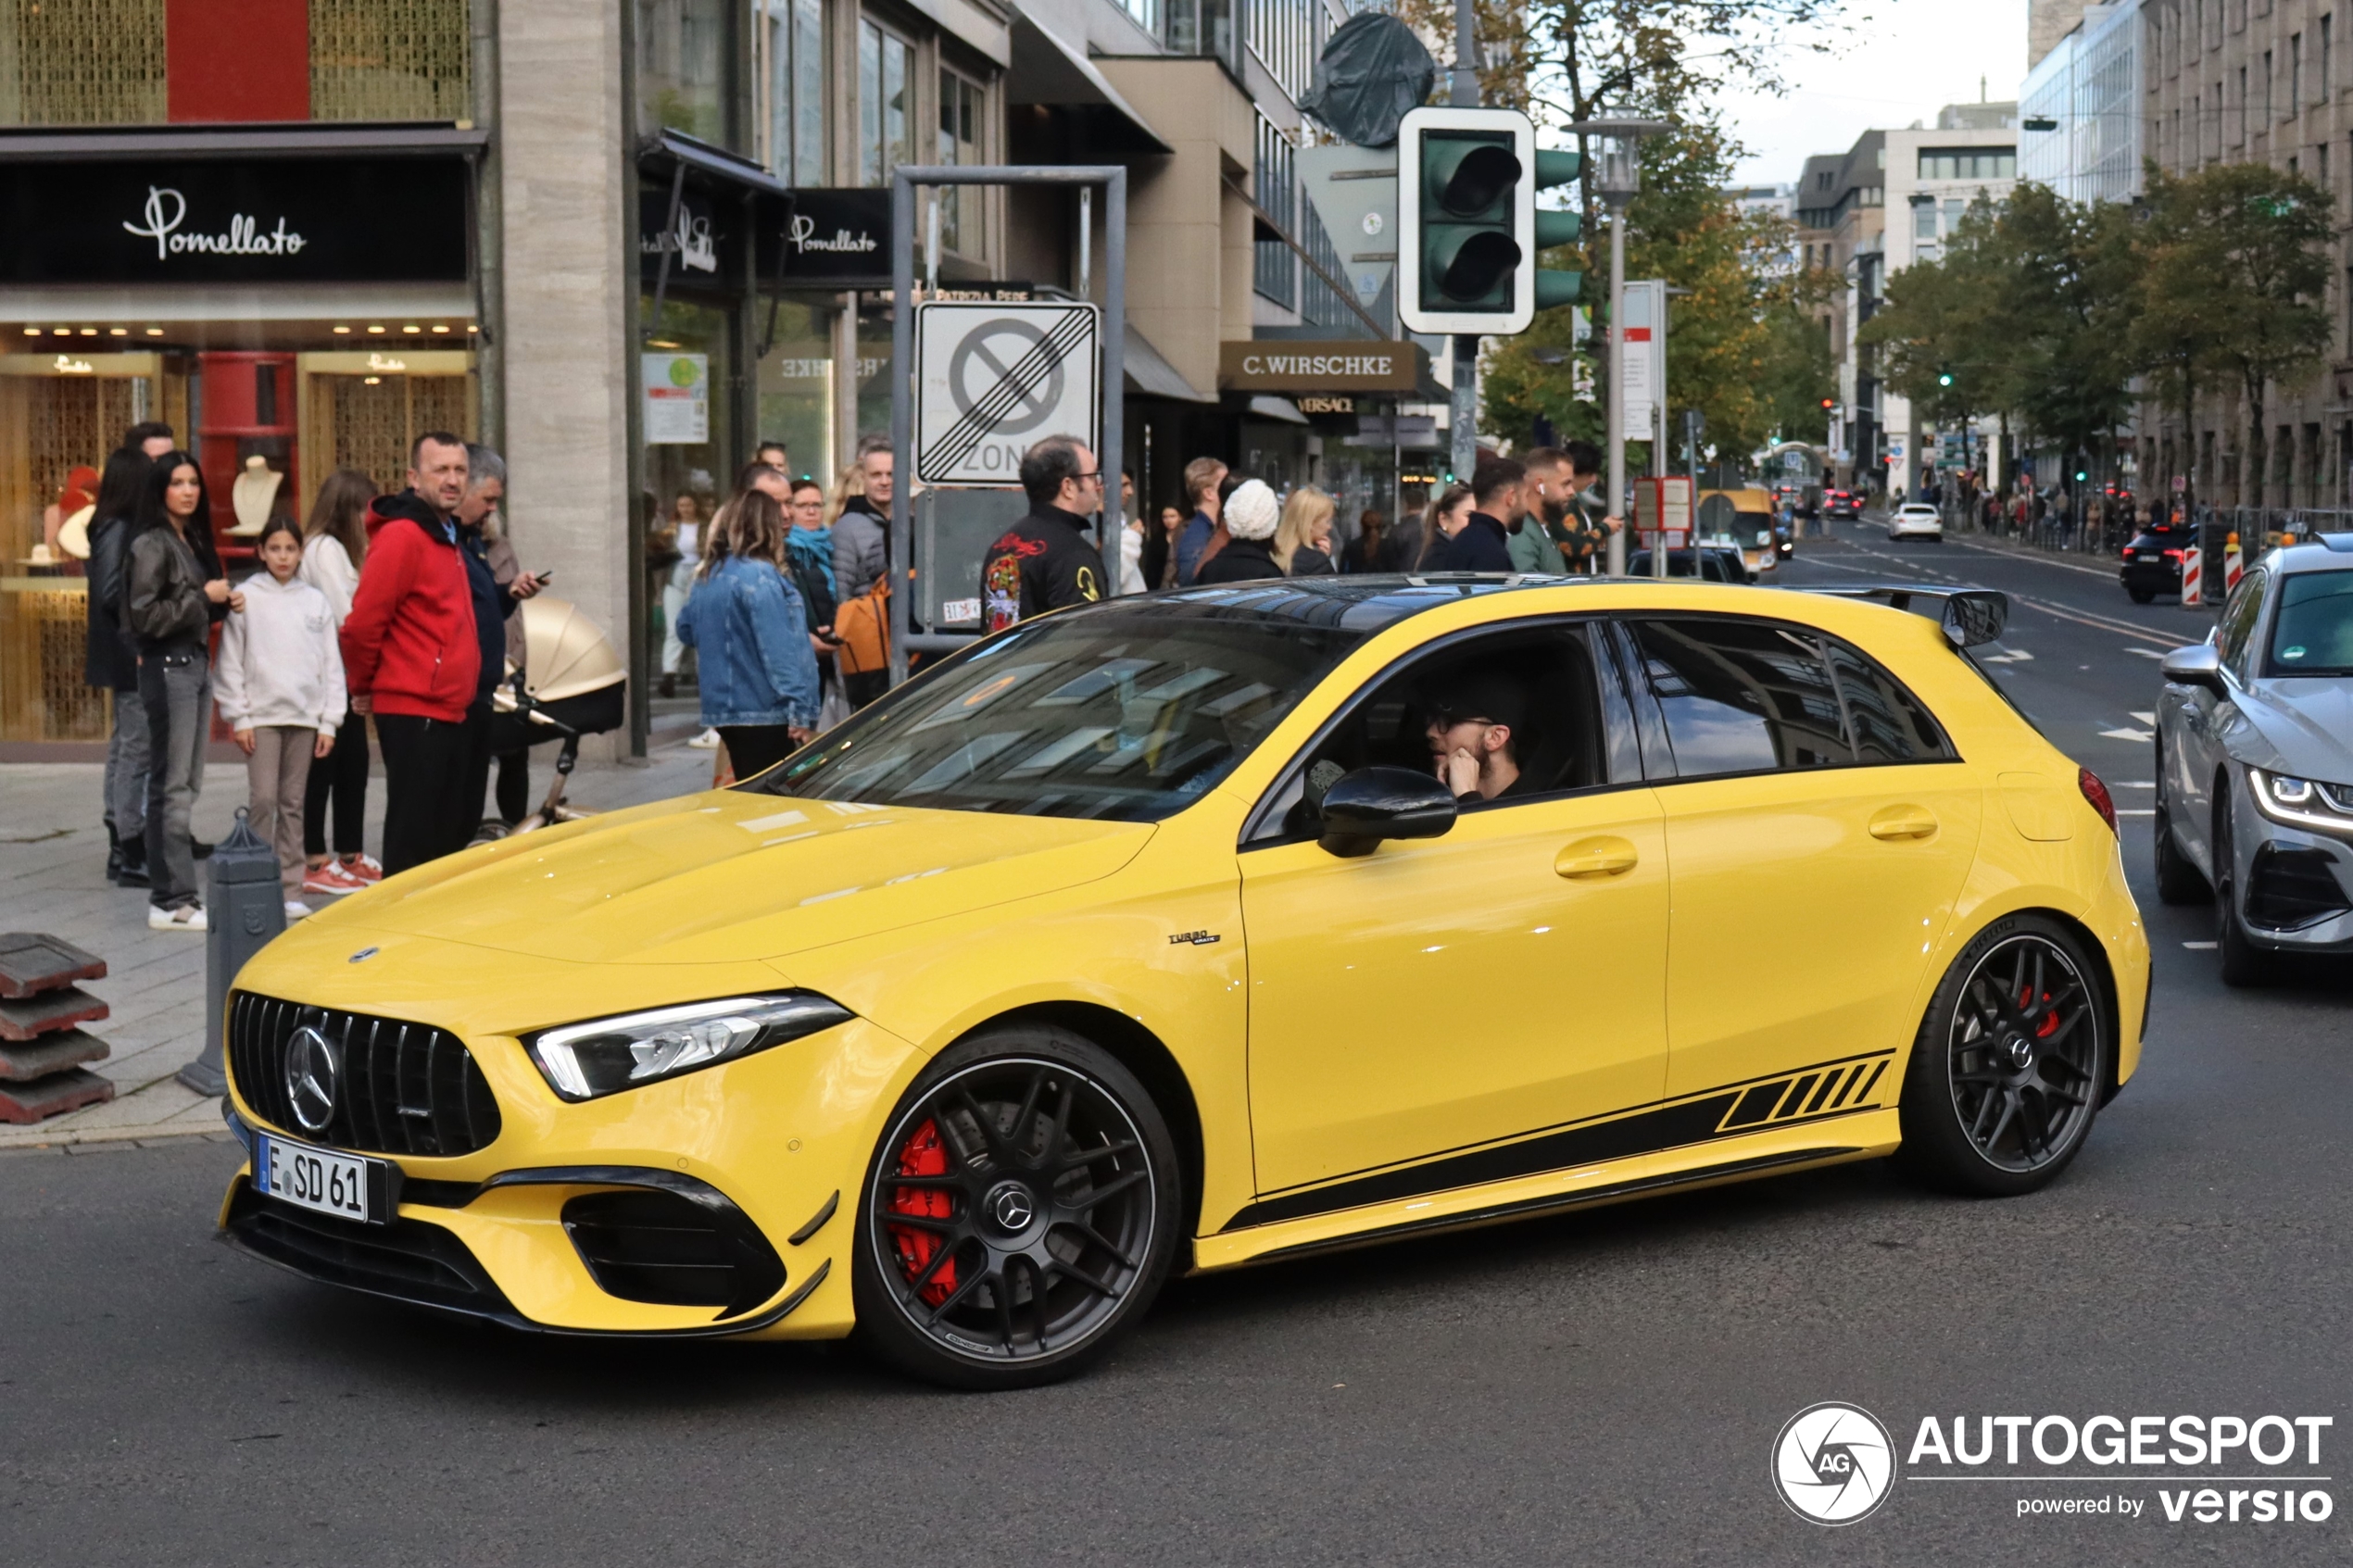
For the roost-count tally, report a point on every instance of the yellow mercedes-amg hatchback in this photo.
(1196, 929)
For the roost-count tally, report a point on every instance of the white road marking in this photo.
(2148, 718)
(2146, 653)
(2201, 946)
(2134, 784)
(2126, 734)
(2100, 572)
(2016, 656)
(2136, 811)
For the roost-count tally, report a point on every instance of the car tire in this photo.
(2179, 882)
(1021, 1212)
(2142, 596)
(2244, 963)
(2001, 1093)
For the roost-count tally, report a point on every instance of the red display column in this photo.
(236, 60)
(248, 408)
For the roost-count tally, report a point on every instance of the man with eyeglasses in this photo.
(1046, 560)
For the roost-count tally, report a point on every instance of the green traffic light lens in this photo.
(1481, 172)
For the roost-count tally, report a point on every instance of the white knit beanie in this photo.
(1251, 511)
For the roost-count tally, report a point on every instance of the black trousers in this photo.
(475, 761)
(514, 785)
(425, 814)
(755, 749)
(340, 777)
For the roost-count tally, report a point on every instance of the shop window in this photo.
(681, 82)
(796, 386)
(90, 62)
(961, 111)
(883, 62)
(390, 59)
(792, 36)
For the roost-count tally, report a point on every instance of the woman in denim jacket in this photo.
(750, 632)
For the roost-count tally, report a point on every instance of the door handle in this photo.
(1895, 822)
(1590, 859)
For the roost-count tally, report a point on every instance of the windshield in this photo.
(1128, 716)
(2313, 632)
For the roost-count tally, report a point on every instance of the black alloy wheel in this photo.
(2244, 963)
(2011, 1062)
(1021, 1212)
(2178, 881)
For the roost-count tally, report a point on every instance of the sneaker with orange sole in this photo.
(331, 880)
(367, 868)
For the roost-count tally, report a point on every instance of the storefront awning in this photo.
(1150, 376)
(717, 163)
(99, 143)
(1278, 408)
(1048, 70)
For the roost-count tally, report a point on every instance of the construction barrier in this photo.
(2233, 565)
(2193, 575)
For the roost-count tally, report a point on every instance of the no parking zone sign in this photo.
(991, 380)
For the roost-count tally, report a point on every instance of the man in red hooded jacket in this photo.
(411, 657)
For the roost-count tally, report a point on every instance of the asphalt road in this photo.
(1603, 1387)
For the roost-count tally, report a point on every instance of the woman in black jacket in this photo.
(173, 591)
(111, 664)
(1251, 514)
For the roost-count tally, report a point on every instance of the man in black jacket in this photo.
(1484, 543)
(1046, 561)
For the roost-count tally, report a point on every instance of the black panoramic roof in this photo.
(1359, 602)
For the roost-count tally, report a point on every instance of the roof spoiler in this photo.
(1970, 616)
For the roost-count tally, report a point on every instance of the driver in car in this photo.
(1476, 722)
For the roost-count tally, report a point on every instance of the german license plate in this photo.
(342, 1185)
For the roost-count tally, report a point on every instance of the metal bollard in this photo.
(245, 908)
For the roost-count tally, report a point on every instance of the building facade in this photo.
(2227, 82)
(624, 241)
(2081, 108)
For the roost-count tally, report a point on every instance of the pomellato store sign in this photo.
(165, 219)
(1280, 365)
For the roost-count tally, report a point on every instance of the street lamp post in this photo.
(1619, 178)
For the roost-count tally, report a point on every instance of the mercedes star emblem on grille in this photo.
(312, 1078)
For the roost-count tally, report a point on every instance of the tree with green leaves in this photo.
(2230, 273)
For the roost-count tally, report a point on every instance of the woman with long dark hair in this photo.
(334, 542)
(756, 671)
(112, 664)
(174, 592)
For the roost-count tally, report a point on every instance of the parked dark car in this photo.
(1839, 504)
(2153, 562)
(1715, 563)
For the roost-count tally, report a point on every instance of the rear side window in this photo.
(1748, 697)
(1743, 697)
(1887, 722)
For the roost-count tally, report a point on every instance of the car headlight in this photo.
(606, 1055)
(2300, 802)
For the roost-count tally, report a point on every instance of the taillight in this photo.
(2128, 553)
(2172, 555)
(2096, 793)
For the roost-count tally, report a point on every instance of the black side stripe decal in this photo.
(1726, 1113)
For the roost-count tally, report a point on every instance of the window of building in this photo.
(97, 62)
(883, 61)
(681, 84)
(2269, 113)
(1145, 12)
(2328, 63)
(1275, 270)
(386, 59)
(960, 121)
(791, 38)
(1969, 163)
(2295, 74)
(1284, 34)
(1924, 220)
(2241, 103)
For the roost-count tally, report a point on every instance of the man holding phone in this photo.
(499, 584)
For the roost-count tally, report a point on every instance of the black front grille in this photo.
(407, 1259)
(2288, 888)
(403, 1088)
(661, 1248)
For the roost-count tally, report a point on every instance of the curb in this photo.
(69, 1141)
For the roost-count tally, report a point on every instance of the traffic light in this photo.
(1468, 230)
(1946, 379)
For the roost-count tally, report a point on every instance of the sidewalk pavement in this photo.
(52, 854)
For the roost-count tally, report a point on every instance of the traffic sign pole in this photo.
(904, 181)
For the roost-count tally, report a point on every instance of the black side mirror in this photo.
(1362, 808)
(2198, 665)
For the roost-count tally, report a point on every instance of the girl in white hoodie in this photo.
(279, 685)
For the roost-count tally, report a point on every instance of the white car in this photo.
(1916, 520)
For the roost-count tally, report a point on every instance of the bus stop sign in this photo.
(993, 379)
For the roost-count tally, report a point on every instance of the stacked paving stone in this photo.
(43, 1046)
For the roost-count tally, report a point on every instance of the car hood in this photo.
(2300, 725)
(726, 876)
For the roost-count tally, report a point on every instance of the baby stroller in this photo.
(572, 683)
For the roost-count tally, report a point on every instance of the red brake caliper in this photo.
(2050, 1023)
(924, 1156)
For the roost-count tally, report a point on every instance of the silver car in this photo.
(2255, 763)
